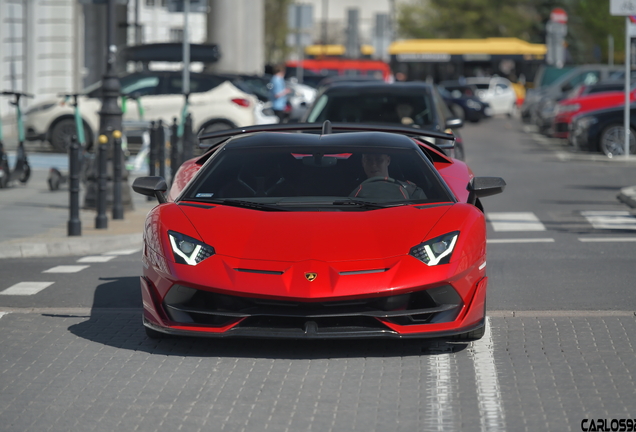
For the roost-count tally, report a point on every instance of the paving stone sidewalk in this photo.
(98, 372)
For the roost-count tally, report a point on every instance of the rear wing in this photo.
(328, 127)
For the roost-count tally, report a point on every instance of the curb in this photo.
(627, 195)
(71, 247)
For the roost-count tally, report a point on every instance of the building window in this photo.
(150, 2)
(176, 34)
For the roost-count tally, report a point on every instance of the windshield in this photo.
(305, 178)
(361, 106)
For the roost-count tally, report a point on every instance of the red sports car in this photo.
(310, 231)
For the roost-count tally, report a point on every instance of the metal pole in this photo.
(74, 226)
(118, 208)
(610, 50)
(186, 48)
(627, 85)
(101, 221)
(299, 68)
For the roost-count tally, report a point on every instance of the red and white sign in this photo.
(559, 15)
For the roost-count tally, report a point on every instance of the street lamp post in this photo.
(110, 115)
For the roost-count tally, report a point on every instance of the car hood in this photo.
(328, 236)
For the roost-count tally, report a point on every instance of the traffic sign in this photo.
(559, 15)
(622, 7)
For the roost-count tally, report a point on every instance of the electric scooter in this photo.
(22, 169)
(56, 178)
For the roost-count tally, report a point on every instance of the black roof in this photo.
(171, 52)
(380, 85)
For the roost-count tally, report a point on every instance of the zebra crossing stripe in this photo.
(95, 259)
(514, 221)
(124, 252)
(66, 269)
(26, 288)
(615, 220)
(520, 240)
(607, 239)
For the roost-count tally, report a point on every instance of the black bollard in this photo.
(101, 221)
(118, 208)
(161, 148)
(188, 139)
(152, 155)
(175, 159)
(74, 226)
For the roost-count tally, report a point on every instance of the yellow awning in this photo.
(334, 50)
(491, 46)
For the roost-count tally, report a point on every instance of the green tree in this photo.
(589, 23)
(276, 29)
(465, 19)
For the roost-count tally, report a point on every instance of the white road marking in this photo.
(3, 314)
(521, 240)
(95, 259)
(606, 239)
(491, 412)
(515, 221)
(66, 269)
(619, 220)
(26, 288)
(440, 412)
(124, 252)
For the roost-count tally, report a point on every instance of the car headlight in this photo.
(473, 104)
(187, 250)
(38, 108)
(547, 107)
(584, 122)
(437, 250)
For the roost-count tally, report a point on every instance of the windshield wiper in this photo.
(364, 204)
(251, 204)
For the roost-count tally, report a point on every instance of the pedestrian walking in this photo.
(279, 94)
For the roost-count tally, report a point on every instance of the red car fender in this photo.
(159, 220)
(457, 175)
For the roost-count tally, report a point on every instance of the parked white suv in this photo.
(215, 103)
(497, 91)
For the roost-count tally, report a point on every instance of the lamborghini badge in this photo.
(311, 276)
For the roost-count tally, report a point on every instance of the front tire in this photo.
(612, 141)
(26, 173)
(61, 133)
(4, 180)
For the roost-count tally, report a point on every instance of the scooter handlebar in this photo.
(14, 93)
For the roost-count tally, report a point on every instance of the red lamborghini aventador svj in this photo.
(310, 231)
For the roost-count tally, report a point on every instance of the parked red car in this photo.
(568, 108)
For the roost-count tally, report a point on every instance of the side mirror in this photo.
(152, 186)
(454, 123)
(480, 187)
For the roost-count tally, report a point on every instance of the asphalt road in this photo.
(559, 349)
